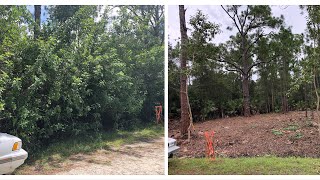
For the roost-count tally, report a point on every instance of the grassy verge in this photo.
(246, 166)
(59, 152)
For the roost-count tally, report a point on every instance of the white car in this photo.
(11, 153)
(172, 147)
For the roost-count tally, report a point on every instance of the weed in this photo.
(309, 123)
(296, 136)
(277, 132)
(292, 127)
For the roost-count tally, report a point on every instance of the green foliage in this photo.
(282, 67)
(277, 132)
(292, 127)
(85, 72)
(296, 136)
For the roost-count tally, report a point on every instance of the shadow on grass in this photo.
(58, 152)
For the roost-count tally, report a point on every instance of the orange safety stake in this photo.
(158, 113)
(209, 142)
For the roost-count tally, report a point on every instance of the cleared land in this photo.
(282, 135)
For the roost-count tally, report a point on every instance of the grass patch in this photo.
(292, 127)
(58, 152)
(277, 132)
(267, 165)
(296, 136)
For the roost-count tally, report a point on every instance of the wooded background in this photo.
(220, 79)
(84, 69)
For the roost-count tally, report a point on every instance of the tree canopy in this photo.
(285, 64)
(85, 69)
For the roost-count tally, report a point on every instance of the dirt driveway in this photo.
(141, 158)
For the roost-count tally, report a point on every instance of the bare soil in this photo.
(141, 158)
(277, 134)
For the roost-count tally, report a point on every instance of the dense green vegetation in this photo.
(84, 69)
(264, 67)
(246, 166)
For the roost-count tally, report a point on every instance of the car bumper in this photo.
(10, 162)
(173, 149)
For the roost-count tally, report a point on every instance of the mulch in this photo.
(253, 136)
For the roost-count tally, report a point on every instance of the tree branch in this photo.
(249, 26)
(228, 62)
(245, 17)
(236, 13)
(233, 18)
(236, 70)
(256, 64)
(254, 42)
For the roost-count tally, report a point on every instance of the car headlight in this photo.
(172, 144)
(17, 146)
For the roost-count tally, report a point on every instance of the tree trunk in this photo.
(272, 100)
(284, 103)
(316, 90)
(245, 78)
(184, 121)
(246, 96)
(37, 19)
(305, 99)
(222, 111)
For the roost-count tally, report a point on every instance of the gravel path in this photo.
(142, 158)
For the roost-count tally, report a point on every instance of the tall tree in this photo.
(313, 28)
(250, 23)
(87, 73)
(185, 121)
(37, 19)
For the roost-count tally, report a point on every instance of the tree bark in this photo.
(272, 100)
(184, 121)
(246, 96)
(37, 19)
(316, 89)
(245, 78)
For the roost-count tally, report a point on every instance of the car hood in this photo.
(171, 140)
(6, 143)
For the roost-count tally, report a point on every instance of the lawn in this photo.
(60, 151)
(267, 165)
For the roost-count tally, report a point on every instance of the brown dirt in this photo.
(253, 136)
(141, 158)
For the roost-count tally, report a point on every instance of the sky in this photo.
(44, 13)
(292, 15)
